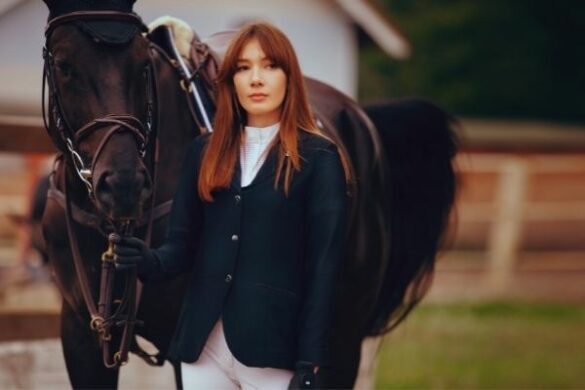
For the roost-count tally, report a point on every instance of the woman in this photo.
(259, 217)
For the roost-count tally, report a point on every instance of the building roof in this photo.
(7, 5)
(376, 23)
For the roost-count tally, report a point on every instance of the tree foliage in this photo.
(494, 58)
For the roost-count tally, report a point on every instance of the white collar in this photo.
(261, 134)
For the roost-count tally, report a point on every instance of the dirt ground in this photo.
(39, 365)
(31, 357)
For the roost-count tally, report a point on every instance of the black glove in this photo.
(132, 252)
(304, 377)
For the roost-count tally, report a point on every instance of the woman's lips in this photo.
(257, 97)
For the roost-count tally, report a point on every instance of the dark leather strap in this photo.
(101, 318)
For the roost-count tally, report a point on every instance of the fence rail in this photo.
(510, 207)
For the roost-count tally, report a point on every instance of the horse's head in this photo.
(100, 104)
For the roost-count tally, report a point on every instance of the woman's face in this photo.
(260, 85)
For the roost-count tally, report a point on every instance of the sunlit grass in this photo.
(496, 345)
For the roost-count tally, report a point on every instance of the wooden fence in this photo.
(508, 194)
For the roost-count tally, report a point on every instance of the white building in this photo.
(324, 33)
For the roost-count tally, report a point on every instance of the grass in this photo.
(486, 346)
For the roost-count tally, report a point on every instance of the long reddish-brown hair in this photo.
(222, 150)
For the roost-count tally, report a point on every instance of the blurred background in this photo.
(507, 306)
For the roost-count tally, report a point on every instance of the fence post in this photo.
(506, 229)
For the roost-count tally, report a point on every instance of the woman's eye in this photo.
(241, 68)
(271, 66)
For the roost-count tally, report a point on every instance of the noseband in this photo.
(121, 123)
(66, 139)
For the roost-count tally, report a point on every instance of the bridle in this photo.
(103, 316)
(59, 128)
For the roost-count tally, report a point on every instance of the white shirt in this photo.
(254, 150)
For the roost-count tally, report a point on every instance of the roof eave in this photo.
(378, 26)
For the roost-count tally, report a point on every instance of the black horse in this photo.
(100, 65)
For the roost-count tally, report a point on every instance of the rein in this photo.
(102, 316)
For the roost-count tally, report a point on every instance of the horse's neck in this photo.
(175, 126)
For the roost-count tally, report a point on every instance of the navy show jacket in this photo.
(267, 264)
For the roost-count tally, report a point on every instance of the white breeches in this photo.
(217, 368)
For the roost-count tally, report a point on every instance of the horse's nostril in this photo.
(123, 191)
(121, 182)
(103, 186)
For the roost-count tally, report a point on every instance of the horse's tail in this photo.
(420, 145)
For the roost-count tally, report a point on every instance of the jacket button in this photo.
(237, 198)
(228, 278)
(235, 237)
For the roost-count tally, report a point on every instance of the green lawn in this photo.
(495, 345)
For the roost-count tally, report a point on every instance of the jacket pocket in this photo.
(282, 312)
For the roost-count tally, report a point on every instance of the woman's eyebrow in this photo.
(248, 60)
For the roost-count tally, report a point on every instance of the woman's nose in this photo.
(256, 77)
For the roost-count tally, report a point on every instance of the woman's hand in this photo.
(131, 252)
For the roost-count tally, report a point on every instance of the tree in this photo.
(495, 58)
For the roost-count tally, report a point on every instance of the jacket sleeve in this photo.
(177, 253)
(326, 228)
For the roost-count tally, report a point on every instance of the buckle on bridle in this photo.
(95, 323)
(109, 256)
(118, 359)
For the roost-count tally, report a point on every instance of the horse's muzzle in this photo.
(121, 194)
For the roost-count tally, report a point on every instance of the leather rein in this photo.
(103, 316)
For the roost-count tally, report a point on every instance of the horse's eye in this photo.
(65, 69)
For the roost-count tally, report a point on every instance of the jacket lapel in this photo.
(236, 183)
(267, 170)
